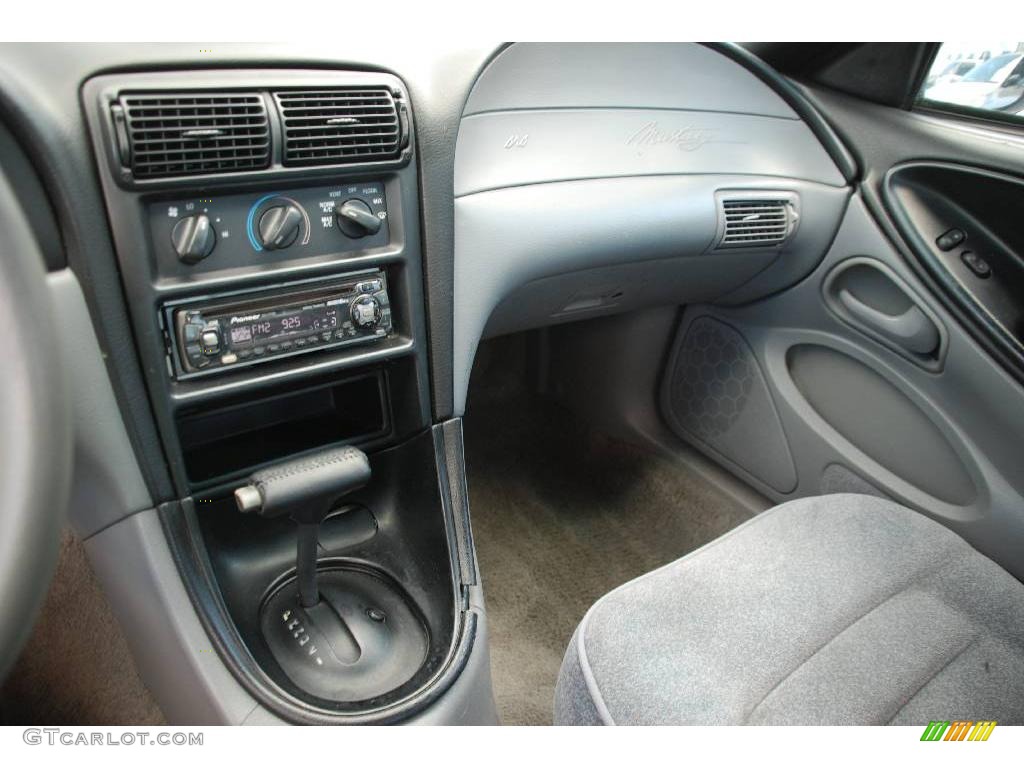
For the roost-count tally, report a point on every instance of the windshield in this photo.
(990, 71)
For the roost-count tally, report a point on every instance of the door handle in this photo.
(912, 329)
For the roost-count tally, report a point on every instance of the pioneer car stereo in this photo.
(229, 330)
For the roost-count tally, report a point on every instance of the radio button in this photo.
(210, 341)
(286, 345)
(273, 348)
(192, 331)
(229, 358)
(368, 286)
(244, 354)
(258, 350)
(366, 311)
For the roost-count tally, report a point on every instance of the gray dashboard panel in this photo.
(509, 238)
(529, 146)
(645, 75)
(598, 163)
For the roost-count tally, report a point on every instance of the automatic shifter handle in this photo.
(306, 490)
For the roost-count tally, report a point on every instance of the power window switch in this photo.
(947, 241)
(976, 264)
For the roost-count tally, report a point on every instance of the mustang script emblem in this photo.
(687, 138)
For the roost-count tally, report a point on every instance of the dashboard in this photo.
(278, 249)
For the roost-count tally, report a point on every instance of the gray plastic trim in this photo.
(175, 656)
(528, 147)
(107, 483)
(933, 361)
(617, 75)
(511, 246)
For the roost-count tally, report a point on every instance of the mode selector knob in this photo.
(365, 312)
(356, 219)
(193, 238)
(279, 226)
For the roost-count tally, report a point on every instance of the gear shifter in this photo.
(307, 490)
(348, 632)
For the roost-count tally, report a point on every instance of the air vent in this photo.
(339, 126)
(189, 133)
(756, 222)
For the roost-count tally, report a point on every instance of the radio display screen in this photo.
(257, 328)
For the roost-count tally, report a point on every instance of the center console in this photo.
(268, 238)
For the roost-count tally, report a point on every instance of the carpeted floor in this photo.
(561, 515)
(76, 668)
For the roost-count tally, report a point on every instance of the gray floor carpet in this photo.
(562, 514)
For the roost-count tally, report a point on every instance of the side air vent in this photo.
(756, 221)
(334, 126)
(187, 133)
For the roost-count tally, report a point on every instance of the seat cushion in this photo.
(845, 610)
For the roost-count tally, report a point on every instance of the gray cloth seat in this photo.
(845, 609)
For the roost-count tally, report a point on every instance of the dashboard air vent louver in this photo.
(756, 222)
(334, 126)
(189, 133)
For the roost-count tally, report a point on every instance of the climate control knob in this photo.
(193, 238)
(356, 219)
(280, 226)
(366, 312)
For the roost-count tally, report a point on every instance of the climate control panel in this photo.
(203, 234)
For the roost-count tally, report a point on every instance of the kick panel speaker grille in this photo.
(755, 223)
(189, 133)
(715, 395)
(334, 126)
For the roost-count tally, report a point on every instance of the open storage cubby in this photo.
(224, 439)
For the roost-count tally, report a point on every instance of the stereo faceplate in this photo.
(232, 330)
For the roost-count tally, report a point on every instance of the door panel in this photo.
(896, 368)
(923, 170)
(859, 413)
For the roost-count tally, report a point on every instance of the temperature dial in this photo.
(280, 226)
